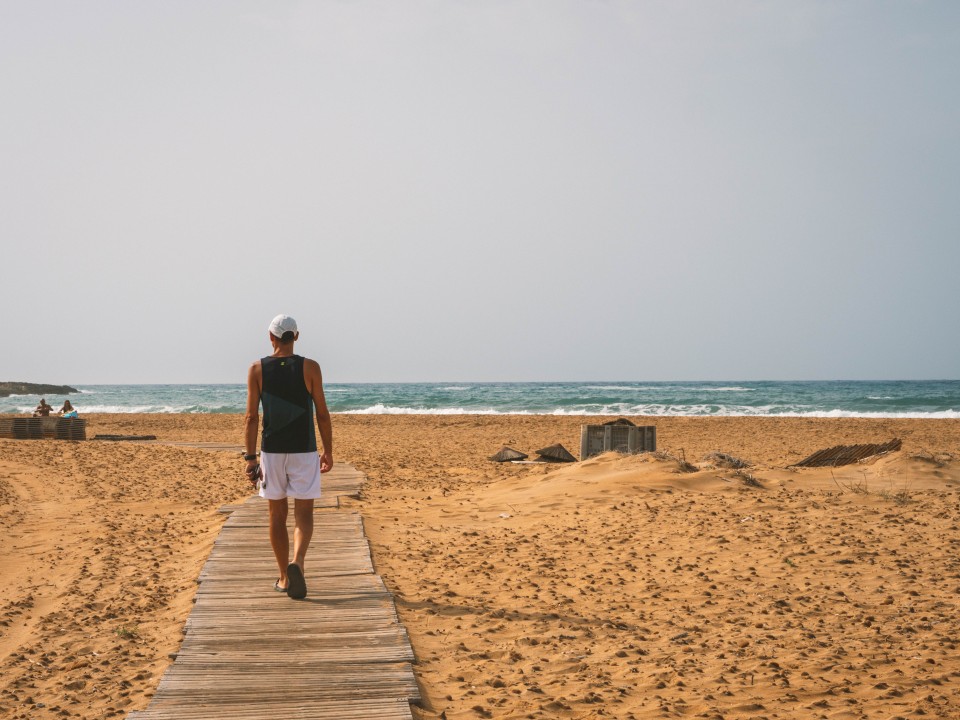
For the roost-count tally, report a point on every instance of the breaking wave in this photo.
(840, 399)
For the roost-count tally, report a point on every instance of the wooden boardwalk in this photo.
(252, 653)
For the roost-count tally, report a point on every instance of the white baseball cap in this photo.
(281, 324)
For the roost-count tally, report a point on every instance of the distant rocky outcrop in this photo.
(22, 388)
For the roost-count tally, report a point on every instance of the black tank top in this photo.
(287, 407)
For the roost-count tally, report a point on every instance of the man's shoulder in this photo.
(311, 372)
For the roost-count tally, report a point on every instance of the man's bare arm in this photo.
(314, 382)
(252, 418)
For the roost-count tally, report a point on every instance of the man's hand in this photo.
(253, 472)
(326, 462)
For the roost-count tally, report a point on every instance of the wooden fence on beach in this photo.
(40, 428)
(614, 437)
(251, 652)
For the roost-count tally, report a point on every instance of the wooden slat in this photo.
(251, 652)
(368, 584)
(289, 709)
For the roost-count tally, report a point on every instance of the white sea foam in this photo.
(668, 388)
(457, 387)
(628, 409)
(707, 389)
(144, 409)
(939, 415)
(381, 409)
(16, 409)
(166, 409)
(700, 411)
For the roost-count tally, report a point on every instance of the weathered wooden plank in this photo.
(267, 569)
(313, 680)
(385, 644)
(344, 622)
(334, 586)
(289, 709)
(254, 512)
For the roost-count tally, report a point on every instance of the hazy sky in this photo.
(480, 190)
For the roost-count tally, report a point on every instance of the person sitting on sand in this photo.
(43, 410)
(67, 411)
(290, 388)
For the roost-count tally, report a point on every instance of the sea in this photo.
(868, 399)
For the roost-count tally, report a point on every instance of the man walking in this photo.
(290, 388)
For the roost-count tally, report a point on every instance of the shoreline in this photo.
(545, 591)
(877, 399)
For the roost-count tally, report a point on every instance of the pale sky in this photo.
(480, 190)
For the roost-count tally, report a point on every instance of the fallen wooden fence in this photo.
(847, 454)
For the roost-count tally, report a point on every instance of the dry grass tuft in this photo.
(748, 479)
(723, 460)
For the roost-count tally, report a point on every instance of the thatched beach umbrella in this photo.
(620, 421)
(556, 453)
(507, 454)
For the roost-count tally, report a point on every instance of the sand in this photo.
(621, 587)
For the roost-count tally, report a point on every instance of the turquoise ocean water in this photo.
(913, 399)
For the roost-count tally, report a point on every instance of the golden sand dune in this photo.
(621, 587)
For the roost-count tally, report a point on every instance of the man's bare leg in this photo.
(279, 538)
(303, 519)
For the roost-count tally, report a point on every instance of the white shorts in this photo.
(295, 475)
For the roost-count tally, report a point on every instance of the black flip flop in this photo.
(276, 586)
(296, 585)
